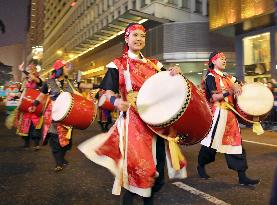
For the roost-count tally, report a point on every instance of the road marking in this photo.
(260, 143)
(200, 193)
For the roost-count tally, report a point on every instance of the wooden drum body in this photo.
(105, 104)
(173, 101)
(26, 100)
(73, 110)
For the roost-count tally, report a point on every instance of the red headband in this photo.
(133, 28)
(217, 56)
(58, 64)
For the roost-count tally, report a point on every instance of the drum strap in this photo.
(41, 119)
(155, 66)
(72, 88)
(257, 128)
(176, 154)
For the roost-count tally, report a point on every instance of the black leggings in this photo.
(235, 162)
(34, 134)
(57, 150)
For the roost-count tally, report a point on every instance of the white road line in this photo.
(260, 143)
(200, 193)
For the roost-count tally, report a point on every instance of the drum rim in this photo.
(182, 110)
(69, 108)
(250, 114)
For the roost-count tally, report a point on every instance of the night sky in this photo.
(13, 13)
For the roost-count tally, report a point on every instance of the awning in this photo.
(111, 31)
(114, 29)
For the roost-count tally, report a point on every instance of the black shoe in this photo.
(249, 182)
(202, 172)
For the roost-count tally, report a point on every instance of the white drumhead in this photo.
(161, 98)
(102, 100)
(256, 99)
(61, 106)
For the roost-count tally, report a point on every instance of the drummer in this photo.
(104, 115)
(29, 124)
(224, 136)
(130, 150)
(58, 135)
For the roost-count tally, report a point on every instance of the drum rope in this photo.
(257, 127)
(174, 149)
(41, 119)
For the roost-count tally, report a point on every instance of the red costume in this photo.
(227, 138)
(128, 149)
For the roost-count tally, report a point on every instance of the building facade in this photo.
(35, 32)
(253, 25)
(88, 33)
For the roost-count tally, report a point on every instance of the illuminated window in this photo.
(257, 54)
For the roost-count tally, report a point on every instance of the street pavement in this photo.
(27, 176)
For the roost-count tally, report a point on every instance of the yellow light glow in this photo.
(102, 42)
(59, 52)
(93, 70)
(93, 47)
(228, 12)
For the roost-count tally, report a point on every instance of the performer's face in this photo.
(136, 40)
(220, 63)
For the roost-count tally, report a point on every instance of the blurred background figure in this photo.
(104, 115)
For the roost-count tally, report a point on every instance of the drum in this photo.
(104, 103)
(26, 100)
(255, 102)
(73, 110)
(173, 101)
(11, 105)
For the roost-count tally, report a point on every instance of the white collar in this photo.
(135, 56)
(220, 72)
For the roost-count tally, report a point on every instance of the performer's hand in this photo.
(175, 70)
(121, 104)
(31, 76)
(237, 89)
(32, 108)
(21, 66)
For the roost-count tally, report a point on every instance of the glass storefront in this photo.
(257, 58)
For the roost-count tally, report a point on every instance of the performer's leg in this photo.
(26, 141)
(109, 121)
(273, 198)
(160, 156)
(35, 135)
(65, 150)
(127, 198)
(149, 200)
(101, 125)
(56, 151)
(238, 163)
(206, 155)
